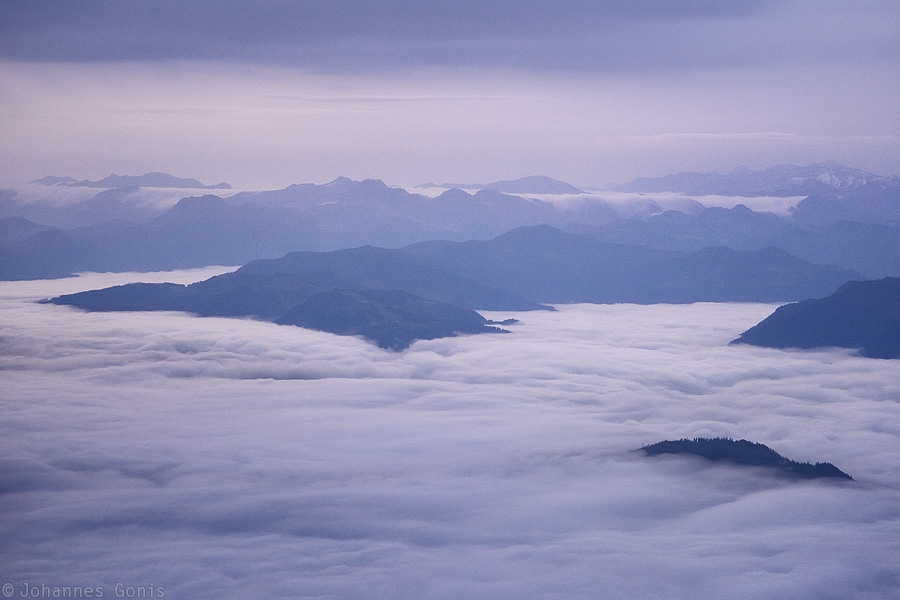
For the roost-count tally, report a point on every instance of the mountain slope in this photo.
(381, 268)
(867, 247)
(744, 452)
(860, 314)
(550, 266)
(393, 319)
(195, 231)
(875, 202)
(824, 179)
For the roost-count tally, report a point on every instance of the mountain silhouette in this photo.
(155, 179)
(823, 179)
(352, 292)
(534, 184)
(548, 265)
(393, 319)
(744, 452)
(368, 267)
(861, 314)
(856, 228)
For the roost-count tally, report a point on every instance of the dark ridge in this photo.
(368, 267)
(393, 319)
(547, 265)
(744, 452)
(504, 322)
(861, 314)
(16, 229)
(295, 291)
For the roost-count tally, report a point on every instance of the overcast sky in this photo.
(264, 94)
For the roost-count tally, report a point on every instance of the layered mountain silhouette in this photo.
(533, 184)
(367, 267)
(547, 265)
(821, 179)
(494, 249)
(869, 247)
(832, 193)
(155, 179)
(15, 229)
(395, 295)
(861, 314)
(119, 229)
(744, 452)
(515, 271)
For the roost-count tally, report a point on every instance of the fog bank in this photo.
(228, 458)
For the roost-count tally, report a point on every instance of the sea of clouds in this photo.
(234, 459)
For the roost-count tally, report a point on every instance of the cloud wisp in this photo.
(230, 458)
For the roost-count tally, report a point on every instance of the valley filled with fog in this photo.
(450, 300)
(233, 458)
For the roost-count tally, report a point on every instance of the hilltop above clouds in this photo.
(425, 291)
(826, 179)
(864, 315)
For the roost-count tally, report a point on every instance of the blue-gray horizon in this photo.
(267, 94)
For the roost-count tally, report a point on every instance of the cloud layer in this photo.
(269, 94)
(581, 35)
(231, 458)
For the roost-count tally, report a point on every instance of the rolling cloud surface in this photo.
(227, 458)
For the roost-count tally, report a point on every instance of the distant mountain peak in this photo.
(341, 184)
(533, 184)
(52, 180)
(153, 179)
(826, 178)
(455, 194)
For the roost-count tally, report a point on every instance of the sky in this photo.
(265, 94)
(231, 458)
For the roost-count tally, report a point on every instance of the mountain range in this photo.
(155, 179)
(855, 227)
(828, 179)
(398, 266)
(530, 266)
(548, 265)
(428, 290)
